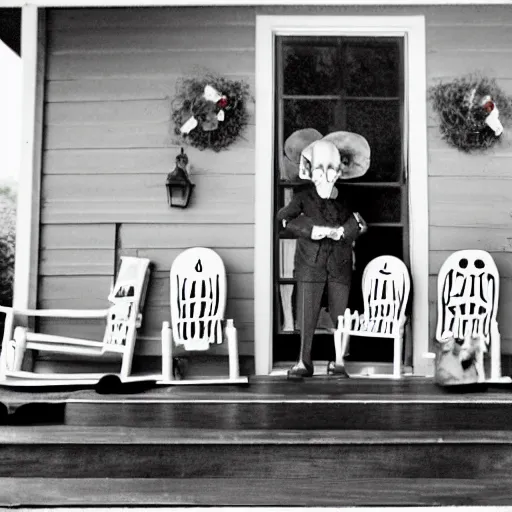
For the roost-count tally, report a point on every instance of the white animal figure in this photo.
(467, 301)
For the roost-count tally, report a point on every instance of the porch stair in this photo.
(321, 442)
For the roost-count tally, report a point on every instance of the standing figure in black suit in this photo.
(326, 230)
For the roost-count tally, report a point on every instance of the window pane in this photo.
(372, 70)
(318, 114)
(378, 241)
(379, 123)
(310, 70)
(374, 204)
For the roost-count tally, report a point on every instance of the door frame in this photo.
(412, 28)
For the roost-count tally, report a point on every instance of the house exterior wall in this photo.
(108, 146)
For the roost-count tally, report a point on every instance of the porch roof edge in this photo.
(236, 3)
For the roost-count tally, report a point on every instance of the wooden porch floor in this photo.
(277, 388)
(320, 442)
(318, 388)
(320, 394)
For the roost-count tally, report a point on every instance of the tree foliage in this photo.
(7, 243)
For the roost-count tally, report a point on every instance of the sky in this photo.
(10, 113)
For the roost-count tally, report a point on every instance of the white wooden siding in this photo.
(113, 112)
(148, 160)
(109, 145)
(142, 198)
(122, 135)
(117, 89)
(157, 236)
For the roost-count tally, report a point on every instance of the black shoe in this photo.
(300, 370)
(337, 369)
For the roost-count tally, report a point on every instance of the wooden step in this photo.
(106, 466)
(236, 492)
(331, 415)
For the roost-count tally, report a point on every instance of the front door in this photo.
(353, 84)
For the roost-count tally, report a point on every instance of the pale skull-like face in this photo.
(469, 295)
(320, 162)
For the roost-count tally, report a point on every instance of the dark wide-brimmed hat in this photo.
(353, 148)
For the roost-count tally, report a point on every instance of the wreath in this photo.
(210, 112)
(470, 109)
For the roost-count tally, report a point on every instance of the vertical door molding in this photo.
(412, 29)
(33, 45)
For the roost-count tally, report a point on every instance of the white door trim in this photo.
(412, 28)
(235, 3)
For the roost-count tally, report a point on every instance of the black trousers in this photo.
(309, 301)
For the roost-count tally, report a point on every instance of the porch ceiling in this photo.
(10, 28)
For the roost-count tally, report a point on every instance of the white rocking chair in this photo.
(385, 287)
(123, 319)
(198, 300)
(467, 303)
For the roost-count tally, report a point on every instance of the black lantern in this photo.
(179, 187)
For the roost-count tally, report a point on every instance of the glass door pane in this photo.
(351, 84)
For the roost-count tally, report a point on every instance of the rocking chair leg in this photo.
(341, 339)
(7, 342)
(3, 360)
(126, 364)
(397, 357)
(232, 339)
(337, 347)
(344, 345)
(20, 343)
(495, 355)
(167, 373)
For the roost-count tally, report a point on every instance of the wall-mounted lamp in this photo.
(179, 187)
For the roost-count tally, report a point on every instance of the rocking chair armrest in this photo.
(62, 313)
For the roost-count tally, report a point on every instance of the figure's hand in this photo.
(363, 227)
(319, 232)
(337, 233)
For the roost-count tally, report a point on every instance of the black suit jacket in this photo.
(320, 260)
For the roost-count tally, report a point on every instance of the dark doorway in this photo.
(352, 84)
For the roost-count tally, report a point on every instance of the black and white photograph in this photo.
(255, 255)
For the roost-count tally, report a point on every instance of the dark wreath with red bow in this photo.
(210, 112)
(471, 110)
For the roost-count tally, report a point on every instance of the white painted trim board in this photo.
(29, 189)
